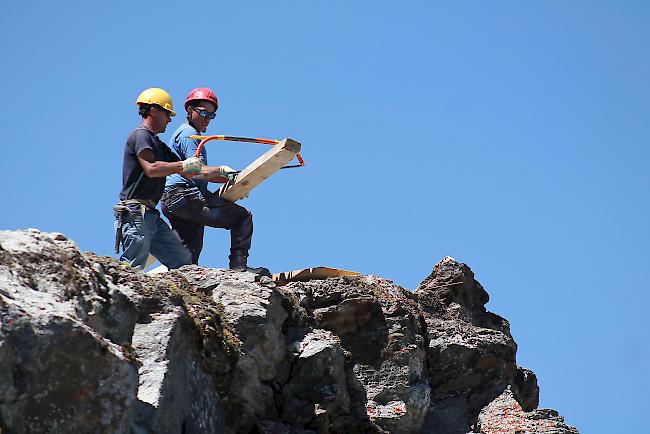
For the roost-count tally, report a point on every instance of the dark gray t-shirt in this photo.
(145, 188)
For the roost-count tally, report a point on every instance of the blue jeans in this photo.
(188, 218)
(141, 236)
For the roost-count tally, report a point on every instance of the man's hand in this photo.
(192, 165)
(226, 169)
(215, 173)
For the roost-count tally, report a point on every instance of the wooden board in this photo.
(310, 274)
(260, 169)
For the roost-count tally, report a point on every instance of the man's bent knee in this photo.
(180, 258)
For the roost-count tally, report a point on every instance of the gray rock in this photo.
(447, 416)
(379, 328)
(174, 394)
(57, 375)
(505, 414)
(88, 344)
(470, 351)
(256, 315)
(316, 392)
(525, 390)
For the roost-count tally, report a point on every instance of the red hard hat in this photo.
(204, 93)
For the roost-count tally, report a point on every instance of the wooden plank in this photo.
(310, 274)
(260, 169)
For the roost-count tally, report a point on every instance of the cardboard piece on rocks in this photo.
(314, 273)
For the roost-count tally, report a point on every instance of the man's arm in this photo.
(160, 169)
(215, 173)
(218, 179)
(157, 169)
(143, 144)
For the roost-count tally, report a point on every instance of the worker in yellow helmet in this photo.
(146, 163)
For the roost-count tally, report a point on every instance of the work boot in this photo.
(238, 263)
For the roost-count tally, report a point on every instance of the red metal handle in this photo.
(206, 139)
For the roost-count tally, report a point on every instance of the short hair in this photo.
(143, 110)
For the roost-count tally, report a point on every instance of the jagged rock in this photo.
(180, 340)
(66, 328)
(88, 344)
(56, 373)
(525, 390)
(505, 415)
(174, 394)
(470, 351)
(111, 311)
(256, 314)
(447, 416)
(316, 391)
(379, 328)
(454, 285)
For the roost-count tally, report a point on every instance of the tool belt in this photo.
(179, 197)
(129, 206)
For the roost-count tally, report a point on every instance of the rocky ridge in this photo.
(89, 345)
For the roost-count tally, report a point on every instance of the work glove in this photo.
(192, 165)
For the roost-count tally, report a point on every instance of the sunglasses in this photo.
(205, 114)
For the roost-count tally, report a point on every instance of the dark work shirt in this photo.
(145, 188)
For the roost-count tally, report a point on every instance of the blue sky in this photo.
(510, 135)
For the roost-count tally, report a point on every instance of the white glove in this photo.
(192, 165)
(226, 169)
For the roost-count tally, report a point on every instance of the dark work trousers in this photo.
(189, 212)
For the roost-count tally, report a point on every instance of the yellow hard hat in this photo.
(156, 95)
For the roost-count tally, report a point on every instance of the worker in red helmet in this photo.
(189, 205)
